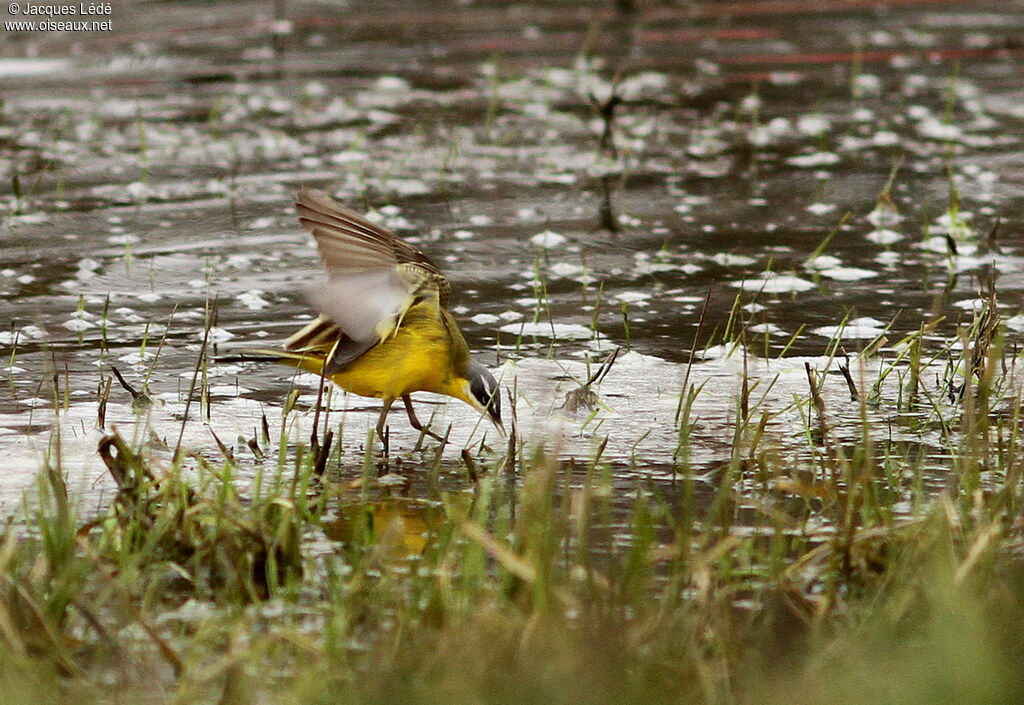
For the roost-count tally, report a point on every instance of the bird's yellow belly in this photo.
(415, 358)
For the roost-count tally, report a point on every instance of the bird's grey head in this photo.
(484, 389)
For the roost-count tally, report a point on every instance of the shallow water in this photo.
(155, 165)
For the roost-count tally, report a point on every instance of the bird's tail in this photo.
(310, 361)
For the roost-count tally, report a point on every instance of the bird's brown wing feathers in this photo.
(373, 277)
(348, 243)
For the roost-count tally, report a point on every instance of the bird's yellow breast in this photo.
(425, 353)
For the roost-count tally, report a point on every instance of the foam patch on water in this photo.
(727, 259)
(557, 331)
(884, 236)
(215, 335)
(819, 208)
(24, 334)
(548, 239)
(813, 125)
(857, 329)
(823, 262)
(634, 298)
(772, 283)
(815, 159)
(253, 300)
(769, 328)
(78, 324)
(566, 270)
(848, 274)
(19, 68)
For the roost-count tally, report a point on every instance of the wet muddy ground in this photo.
(585, 174)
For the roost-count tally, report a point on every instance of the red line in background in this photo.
(575, 17)
(785, 7)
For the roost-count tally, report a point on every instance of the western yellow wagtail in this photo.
(384, 329)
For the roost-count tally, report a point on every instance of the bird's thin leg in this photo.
(415, 422)
(383, 417)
